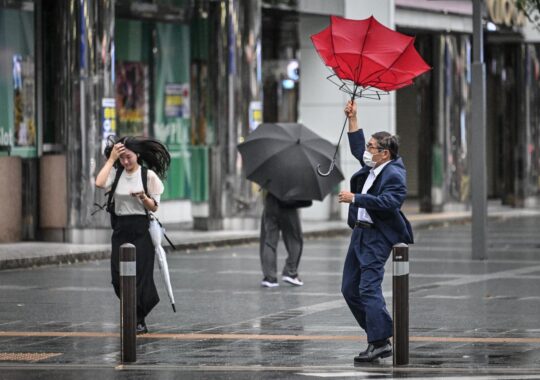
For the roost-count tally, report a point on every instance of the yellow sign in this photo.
(505, 12)
(109, 117)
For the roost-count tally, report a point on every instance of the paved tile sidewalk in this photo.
(30, 254)
(467, 317)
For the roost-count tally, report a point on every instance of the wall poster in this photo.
(132, 98)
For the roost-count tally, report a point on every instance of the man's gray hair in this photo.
(386, 141)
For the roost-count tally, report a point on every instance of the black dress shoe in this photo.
(141, 328)
(373, 353)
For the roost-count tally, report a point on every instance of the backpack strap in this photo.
(110, 193)
(144, 175)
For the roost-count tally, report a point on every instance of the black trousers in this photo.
(134, 229)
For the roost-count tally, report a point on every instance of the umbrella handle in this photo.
(332, 164)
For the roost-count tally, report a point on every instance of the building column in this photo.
(82, 35)
(521, 160)
(234, 42)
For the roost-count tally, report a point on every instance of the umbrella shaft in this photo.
(344, 124)
(332, 163)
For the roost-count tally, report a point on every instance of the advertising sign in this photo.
(108, 120)
(177, 100)
(131, 98)
(255, 114)
(23, 101)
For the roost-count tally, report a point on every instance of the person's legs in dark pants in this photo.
(147, 295)
(378, 320)
(134, 229)
(362, 279)
(268, 247)
(351, 280)
(291, 231)
(115, 263)
(373, 253)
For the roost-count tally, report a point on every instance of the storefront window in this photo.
(132, 77)
(18, 129)
(280, 65)
(532, 169)
(457, 115)
(171, 104)
(153, 92)
(506, 121)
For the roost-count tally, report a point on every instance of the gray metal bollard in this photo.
(400, 303)
(128, 303)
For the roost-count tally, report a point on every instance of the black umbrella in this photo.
(283, 159)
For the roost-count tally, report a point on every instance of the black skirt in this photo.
(134, 229)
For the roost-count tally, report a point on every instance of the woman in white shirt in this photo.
(129, 216)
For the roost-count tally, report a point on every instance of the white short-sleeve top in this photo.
(129, 183)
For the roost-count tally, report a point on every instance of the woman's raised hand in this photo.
(117, 150)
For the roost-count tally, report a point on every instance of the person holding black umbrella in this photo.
(376, 195)
(281, 216)
(280, 157)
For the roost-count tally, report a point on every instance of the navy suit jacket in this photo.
(384, 199)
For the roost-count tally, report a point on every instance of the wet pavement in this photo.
(468, 319)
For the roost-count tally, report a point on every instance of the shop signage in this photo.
(108, 120)
(255, 114)
(177, 100)
(131, 97)
(23, 101)
(6, 137)
(505, 12)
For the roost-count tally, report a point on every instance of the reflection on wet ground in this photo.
(467, 318)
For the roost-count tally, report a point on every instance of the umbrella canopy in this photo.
(367, 59)
(365, 54)
(156, 232)
(283, 159)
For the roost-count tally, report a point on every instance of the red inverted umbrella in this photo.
(366, 56)
(367, 59)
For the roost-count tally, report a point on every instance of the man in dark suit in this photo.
(376, 194)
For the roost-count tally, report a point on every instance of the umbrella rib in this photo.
(341, 85)
(368, 92)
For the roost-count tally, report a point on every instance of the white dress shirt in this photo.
(363, 215)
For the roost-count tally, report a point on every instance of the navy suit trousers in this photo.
(362, 282)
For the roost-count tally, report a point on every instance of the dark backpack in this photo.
(109, 205)
(294, 204)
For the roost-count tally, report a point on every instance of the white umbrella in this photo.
(156, 232)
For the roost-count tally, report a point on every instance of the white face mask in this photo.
(368, 159)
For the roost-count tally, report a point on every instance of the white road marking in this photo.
(372, 375)
(343, 374)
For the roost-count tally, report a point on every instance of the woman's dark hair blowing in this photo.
(151, 153)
